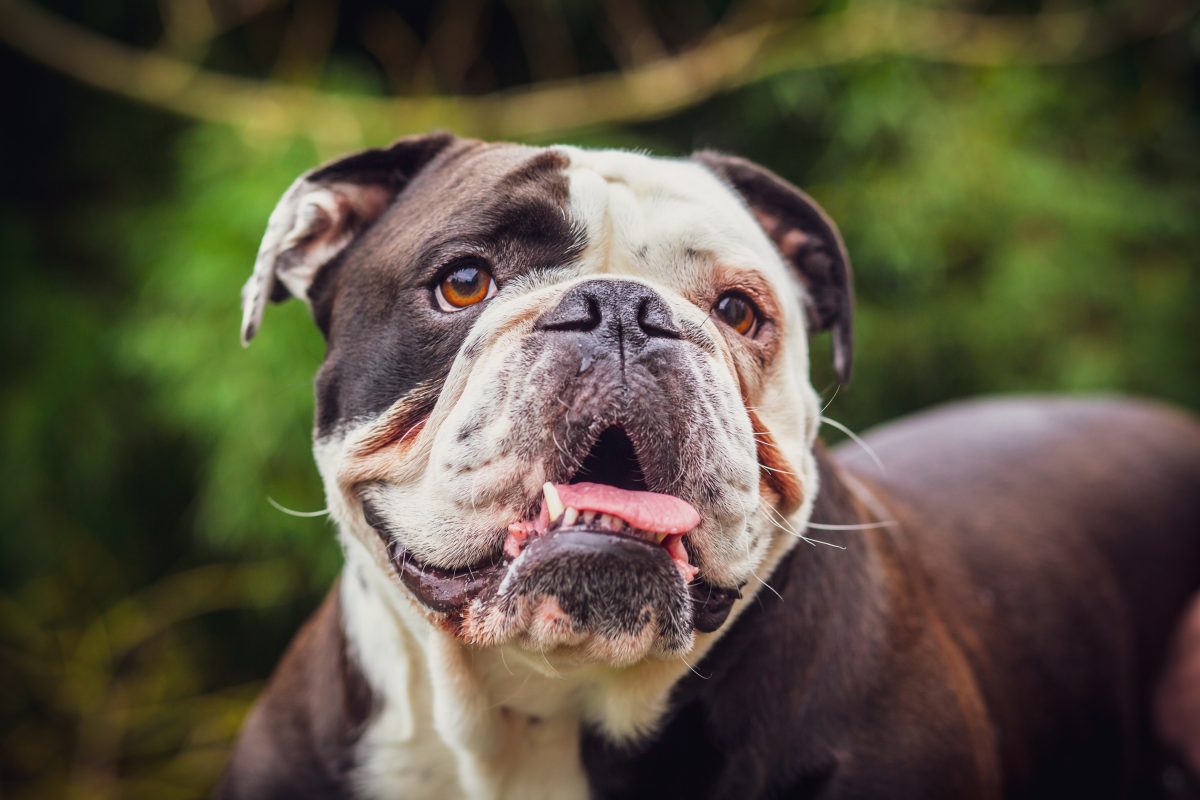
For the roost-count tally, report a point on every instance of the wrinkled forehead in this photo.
(668, 219)
(503, 202)
(476, 190)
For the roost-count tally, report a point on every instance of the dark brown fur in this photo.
(298, 741)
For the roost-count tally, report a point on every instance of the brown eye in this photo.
(736, 311)
(464, 286)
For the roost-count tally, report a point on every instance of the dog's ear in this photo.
(322, 212)
(807, 238)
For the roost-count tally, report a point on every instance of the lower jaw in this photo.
(451, 592)
(446, 591)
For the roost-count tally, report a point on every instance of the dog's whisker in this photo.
(779, 522)
(291, 512)
(549, 666)
(504, 661)
(787, 528)
(777, 469)
(562, 453)
(832, 397)
(864, 496)
(775, 514)
(822, 541)
(833, 423)
(694, 670)
(857, 526)
(764, 583)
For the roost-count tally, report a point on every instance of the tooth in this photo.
(587, 517)
(554, 503)
(605, 521)
(658, 537)
(570, 517)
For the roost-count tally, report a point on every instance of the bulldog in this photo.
(593, 546)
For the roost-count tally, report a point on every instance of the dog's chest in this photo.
(438, 733)
(539, 759)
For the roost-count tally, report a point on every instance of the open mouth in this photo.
(608, 495)
(657, 519)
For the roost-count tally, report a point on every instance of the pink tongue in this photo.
(649, 511)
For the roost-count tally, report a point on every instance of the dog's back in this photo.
(1060, 540)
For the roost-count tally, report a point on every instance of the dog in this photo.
(593, 546)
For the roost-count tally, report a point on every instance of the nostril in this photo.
(630, 313)
(581, 314)
(654, 319)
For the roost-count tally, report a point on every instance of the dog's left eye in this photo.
(464, 286)
(738, 312)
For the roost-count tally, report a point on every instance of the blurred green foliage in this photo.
(1012, 229)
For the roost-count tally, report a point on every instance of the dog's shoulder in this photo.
(298, 740)
(1010, 507)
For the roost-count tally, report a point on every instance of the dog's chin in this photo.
(584, 594)
(590, 595)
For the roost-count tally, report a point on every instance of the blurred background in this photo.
(1016, 182)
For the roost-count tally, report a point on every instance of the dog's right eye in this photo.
(464, 286)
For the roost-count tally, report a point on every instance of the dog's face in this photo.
(565, 401)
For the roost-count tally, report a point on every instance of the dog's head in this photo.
(565, 401)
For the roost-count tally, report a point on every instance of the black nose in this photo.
(624, 314)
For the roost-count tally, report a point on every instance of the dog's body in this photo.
(992, 626)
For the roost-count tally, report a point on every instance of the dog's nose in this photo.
(621, 313)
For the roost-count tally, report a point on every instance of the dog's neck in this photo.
(499, 721)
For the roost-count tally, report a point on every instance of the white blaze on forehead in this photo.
(642, 214)
(646, 216)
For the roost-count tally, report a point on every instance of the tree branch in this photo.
(723, 60)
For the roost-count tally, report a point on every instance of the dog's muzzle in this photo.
(604, 551)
